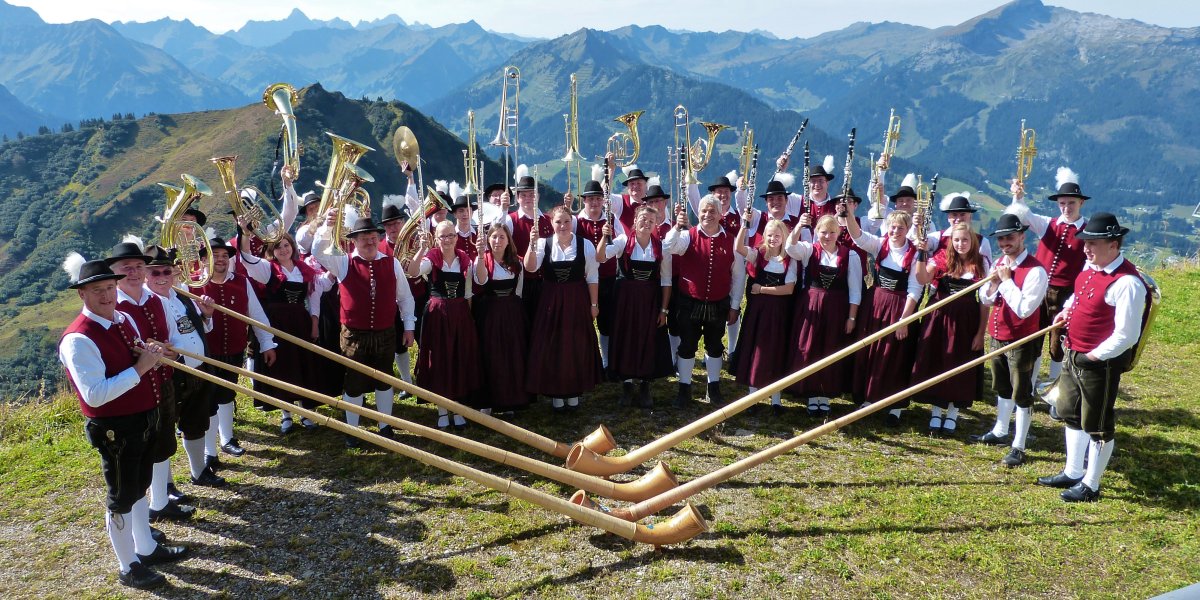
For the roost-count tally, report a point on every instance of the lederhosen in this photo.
(151, 318)
(702, 309)
(1012, 370)
(368, 315)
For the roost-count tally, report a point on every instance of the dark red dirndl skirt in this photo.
(762, 349)
(564, 356)
(880, 369)
(944, 344)
(448, 361)
(293, 364)
(818, 330)
(329, 377)
(639, 348)
(502, 340)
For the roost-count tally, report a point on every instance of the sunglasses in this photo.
(160, 272)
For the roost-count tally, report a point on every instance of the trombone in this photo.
(572, 156)
(509, 117)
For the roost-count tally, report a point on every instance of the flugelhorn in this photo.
(260, 214)
(282, 98)
(345, 152)
(509, 118)
(1025, 153)
(193, 254)
(891, 137)
(625, 147)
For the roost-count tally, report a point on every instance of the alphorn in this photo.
(700, 484)
(587, 461)
(649, 485)
(599, 441)
(682, 526)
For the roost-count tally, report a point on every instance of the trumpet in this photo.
(1025, 153)
(748, 149)
(509, 118)
(281, 97)
(335, 192)
(891, 137)
(193, 254)
(262, 219)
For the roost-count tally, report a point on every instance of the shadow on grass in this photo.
(778, 532)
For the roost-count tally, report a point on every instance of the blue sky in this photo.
(539, 18)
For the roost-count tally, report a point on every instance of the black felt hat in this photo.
(525, 183)
(160, 256)
(819, 171)
(218, 243)
(959, 203)
(126, 250)
(654, 192)
(903, 192)
(1069, 189)
(487, 191)
(722, 182)
(775, 187)
(391, 212)
(93, 271)
(1007, 224)
(633, 174)
(309, 197)
(201, 218)
(1102, 226)
(463, 201)
(848, 195)
(592, 188)
(364, 225)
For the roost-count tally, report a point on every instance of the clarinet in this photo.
(928, 224)
(807, 182)
(683, 166)
(848, 171)
(792, 144)
(751, 184)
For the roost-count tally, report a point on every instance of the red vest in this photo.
(416, 285)
(1090, 320)
(151, 319)
(116, 348)
(1004, 325)
(228, 335)
(732, 223)
(520, 235)
(705, 269)
(365, 306)
(628, 211)
(1061, 253)
(467, 244)
(590, 231)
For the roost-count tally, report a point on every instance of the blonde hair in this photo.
(900, 217)
(784, 231)
(827, 221)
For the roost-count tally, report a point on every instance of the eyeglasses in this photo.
(160, 272)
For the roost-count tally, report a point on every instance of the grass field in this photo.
(866, 512)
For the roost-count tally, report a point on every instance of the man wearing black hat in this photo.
(589, 224)
(394, 218)
(228, 341)
(519, 223)
(310, 203)
(958, 209)
(148, 313)
(819, 205)
(1059, 249)
(187, 324)
(777, 198)
(624, 205)
(497, 194)
(1104, 319)
(112, 372)
(373, 287)
(1014, 297)
(467, 235)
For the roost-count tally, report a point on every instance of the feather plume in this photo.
(393, 200)
(732, 175)
(519, 172)
(828, 164)
(135, 240)
(910, 181)
(597, 173)
(948, 198)
(1065, 175)
(349, 217)
(653, 181)
(210, 233)
(455, 191)
(1020, 209)
(787, 179)
(627, 170)
(248, 194)
(441, 185)
(72, 265)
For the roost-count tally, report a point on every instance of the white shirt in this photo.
(736, 206)
(340, 267)
(643, 253)
(560, 254)
(319, 286)
(1128, 295)
(304, 236)
(500, 273)
(254, 310)
(677, 243)
(774, 265)
(803, 250)
(426, 267)
(83, 361)
(1022, 300)
(871, 244)
(180, 331)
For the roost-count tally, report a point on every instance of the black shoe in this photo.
(141, 577)
(286, 426)
(386, 431)
(714, 394)
(174, 495)
(308, 424)
(212, 462)
(1015, 457)
(157, 535)
(626, 397)
(891, 420)
(352, 442)
(164, 554)
(989, 439)
(776, 410)
(684, 396)
(1058, 481)
(233, 448)
(1080, 492)
(208, 478)
(172, 512)
(644, 399)
(949, 426)
(814, 410)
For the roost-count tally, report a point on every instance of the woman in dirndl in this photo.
(500, 320)
(953, 334)
(448, 361)
(564, 355)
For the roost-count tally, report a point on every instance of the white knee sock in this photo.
(1098, 455)
(143, 542)
(1004, 408)
(572, 401)
(459, 421)
(952, 412)
(823, 401)
(195, 454)
(731, 332)
(684, 368)
(1055, 369)
(713, 366)
(1024, 416)
(120, 533)
(352, 418)
(935, 412)
(604, 350)
(404, 367)
(384, 401)
(210, 437)
(160, 476)
(751, 390)
(1077, 447)
(896, 412)
(674, 347)
(225, 422)
(777, 399)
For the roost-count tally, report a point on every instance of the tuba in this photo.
(408, 241)
(262, 218)
(346, 153)
(193, 255)
(350, 195)
(281, 97)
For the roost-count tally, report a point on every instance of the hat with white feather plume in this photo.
(825, 169)
(129, 248)
(908, 188)
(81, 271)
(1067, 182)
